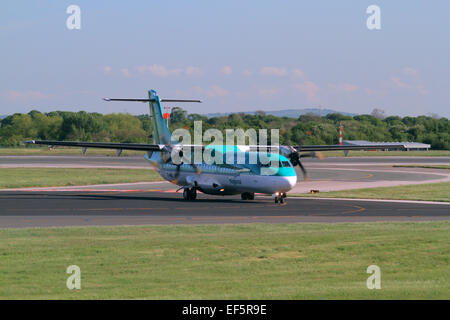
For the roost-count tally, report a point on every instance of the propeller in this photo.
(294, 157)
(183, 161)
(178, 171)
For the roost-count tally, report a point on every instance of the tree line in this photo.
(307, 129)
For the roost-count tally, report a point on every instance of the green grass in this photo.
(437, 166)
(64, 151)
(45, 177)
(426, 192)
(255, 261)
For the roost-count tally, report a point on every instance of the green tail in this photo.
(161, 133)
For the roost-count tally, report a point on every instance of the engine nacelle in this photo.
(206, 185)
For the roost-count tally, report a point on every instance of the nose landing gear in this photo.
(248, 196)
(279, 197)
(189, 194)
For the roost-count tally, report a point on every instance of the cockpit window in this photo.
(286, 164)
(275, 164)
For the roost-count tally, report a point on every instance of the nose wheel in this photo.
(189, 194)
(248, 196)
(280, 198)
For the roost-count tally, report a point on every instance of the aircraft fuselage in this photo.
(226, 179)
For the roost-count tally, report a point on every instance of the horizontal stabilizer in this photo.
(151, 100)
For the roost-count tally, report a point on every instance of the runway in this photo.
(156, 203)
(46, 209)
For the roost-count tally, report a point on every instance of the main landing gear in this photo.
(279, 197)
(248, 196)
(189, 194)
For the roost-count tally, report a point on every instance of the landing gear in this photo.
(189, 194)
(248, 196)
(279, 197)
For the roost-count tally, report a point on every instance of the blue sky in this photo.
(233, 55)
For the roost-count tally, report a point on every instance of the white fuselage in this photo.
(223, 181)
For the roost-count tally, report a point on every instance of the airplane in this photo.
(217, 178)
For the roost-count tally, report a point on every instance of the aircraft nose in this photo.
(289, 183)
(292, 181)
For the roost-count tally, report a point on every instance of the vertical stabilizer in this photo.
(161, 133)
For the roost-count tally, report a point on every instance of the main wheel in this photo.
(276, 199)
(189, 194)
(247, 196)
(186, 194)
(193, 194)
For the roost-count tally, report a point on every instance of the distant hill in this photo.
(291, 113)
(3, 116)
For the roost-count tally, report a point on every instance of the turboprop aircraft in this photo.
(270, 173)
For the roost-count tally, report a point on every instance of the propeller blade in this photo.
(197, 169)
(177, 174)
(305, 174)
(295, 160)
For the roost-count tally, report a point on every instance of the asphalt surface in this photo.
(83, 208)
(157, 203)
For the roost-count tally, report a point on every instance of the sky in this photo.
(233, 55)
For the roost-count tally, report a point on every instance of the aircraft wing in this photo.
(157, 147)
(103, 145)
(337, 147)
(332, 147)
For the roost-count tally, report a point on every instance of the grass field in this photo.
(428, 192)
(256, 261)
(443, 166)
(44, 177)
(92, 151)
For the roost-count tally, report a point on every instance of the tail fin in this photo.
(161, 133)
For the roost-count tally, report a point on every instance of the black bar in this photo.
(232, 309)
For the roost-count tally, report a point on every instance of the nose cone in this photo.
(272, 184)
(288, 183)
(292, 181)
